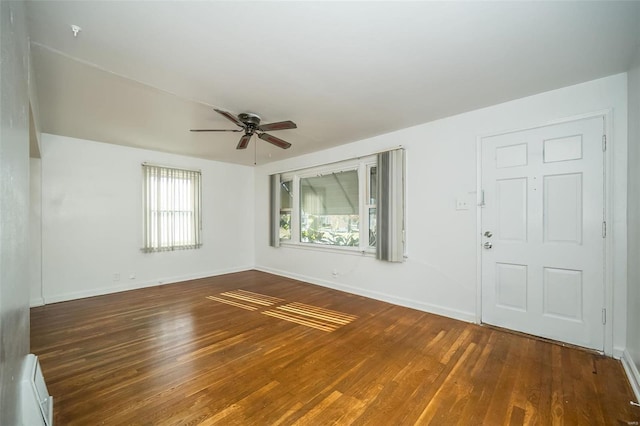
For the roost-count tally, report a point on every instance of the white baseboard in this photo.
(63, 297)
(618, 352)
(385, 297)
(632, 373)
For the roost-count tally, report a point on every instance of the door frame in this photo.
(606, 115)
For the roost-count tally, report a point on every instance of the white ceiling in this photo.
(143, 73)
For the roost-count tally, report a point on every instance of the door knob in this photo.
(488, 234)
(488, 245)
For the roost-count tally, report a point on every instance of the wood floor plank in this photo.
(171, 355)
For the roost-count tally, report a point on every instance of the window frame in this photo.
(362, 167)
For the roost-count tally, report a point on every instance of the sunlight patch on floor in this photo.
(296, 312)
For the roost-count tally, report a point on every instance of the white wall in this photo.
(92, 220)
(91, 212)
(440, 273)
(633, 299)
(35, 232)
(14, 207)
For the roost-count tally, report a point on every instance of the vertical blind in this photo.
(390, 220)
(330, 194)
(171, 208)
(274, 210)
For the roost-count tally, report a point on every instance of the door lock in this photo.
(488, 245)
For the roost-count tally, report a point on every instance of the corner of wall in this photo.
(631, 358)
(632, 373)
(14, 204)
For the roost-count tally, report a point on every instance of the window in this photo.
(353, 205)
(171, 208)
(329, 205)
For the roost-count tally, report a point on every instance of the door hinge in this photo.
(481, 198)
(604, 229)
(604, 316)
(604, 143)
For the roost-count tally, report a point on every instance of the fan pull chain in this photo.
(255, 153)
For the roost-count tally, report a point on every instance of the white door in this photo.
(542, 232)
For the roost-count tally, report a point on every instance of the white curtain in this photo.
(390, 208)
(172, 202)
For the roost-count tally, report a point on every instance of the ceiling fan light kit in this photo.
(249, 123)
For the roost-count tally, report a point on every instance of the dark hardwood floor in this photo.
(257, 349)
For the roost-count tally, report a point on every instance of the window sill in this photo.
(353, 251)
(169, 249)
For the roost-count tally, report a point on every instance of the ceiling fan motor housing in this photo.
(251, 120)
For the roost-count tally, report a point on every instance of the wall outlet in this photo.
(462, 203)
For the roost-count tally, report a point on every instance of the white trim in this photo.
(328, 248)
(331, 163)
(63, 297)
(609, 240)
(607, 115)
(569, 119)
(385, 297)
(38, 301)
(632, 373)
(41, 295)
(343, 166)
(479, 206)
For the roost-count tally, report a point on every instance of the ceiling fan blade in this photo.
(280, 125)
(244, 142)
(230, 117)
(216, 130)
(273, 140)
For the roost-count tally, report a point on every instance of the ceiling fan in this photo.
(249, 123)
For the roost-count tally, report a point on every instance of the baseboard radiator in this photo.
(36, 403)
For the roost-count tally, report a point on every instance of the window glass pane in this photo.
(286, 197)
(286, 194)
(372, 227)
(373, 184)
(285, 225)
(329, 208)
